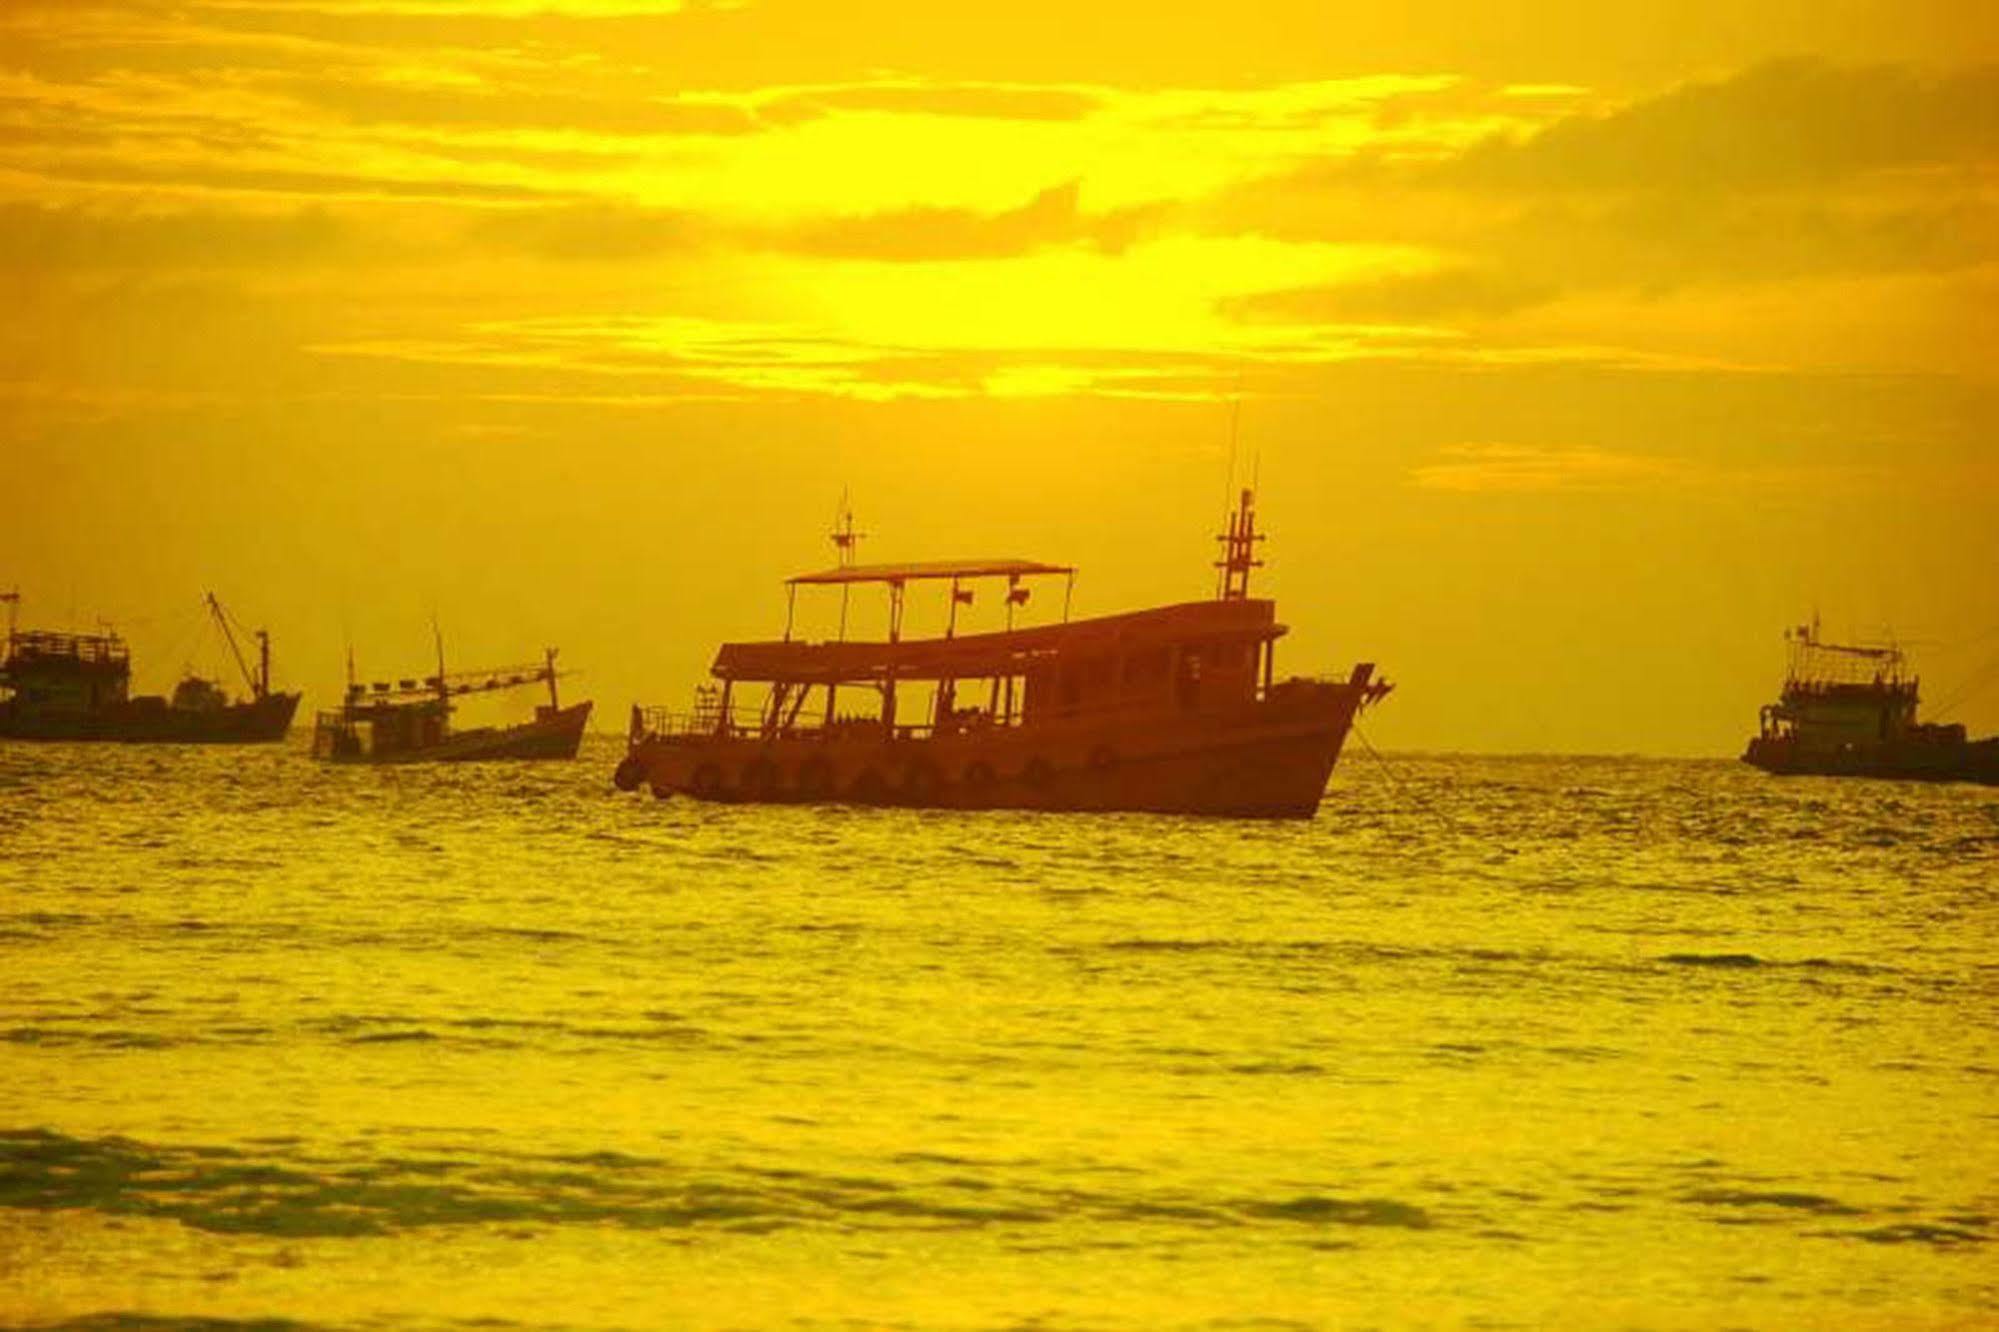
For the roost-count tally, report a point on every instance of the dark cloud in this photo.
(273, 180)
(1791, 171)
(595, 231)
(38, 237)
(1051, 218)
(1443, 294)
(520, 108)
(909, 235)
(1783, 124)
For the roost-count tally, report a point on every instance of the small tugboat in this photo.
(60, 686)
(1849, 711)
(1169, 710)
(409, 720)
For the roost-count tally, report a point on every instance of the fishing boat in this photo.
(65, 686)
(1172, 709)
(1850, 711)
(409, 720)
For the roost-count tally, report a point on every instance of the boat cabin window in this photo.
(1146, 671)
(1215, 671)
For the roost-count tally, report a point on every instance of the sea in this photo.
(1490, 1043)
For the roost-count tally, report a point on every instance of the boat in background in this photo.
(62, 686)
(1850, 711)
(409, 720)
(1174, 709)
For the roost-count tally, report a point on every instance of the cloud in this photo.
(1524, 468)
(287, 181)
(393, 102)
(519, 9)
(1784, 173)
(44, 239)
(689, 359)
(1455, 290)
(987, 101)
(606, 231)
(596, 231)
(1052, 217)
(1777, 125)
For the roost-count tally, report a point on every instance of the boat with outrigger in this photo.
(408, 720)
(1173, 709)
(1849, 710)
(77, 687)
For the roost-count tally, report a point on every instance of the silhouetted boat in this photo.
(61, 686)
(1850, 711)
(409, 720)
(1171, 710)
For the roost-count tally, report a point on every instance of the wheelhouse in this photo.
(1191, 658)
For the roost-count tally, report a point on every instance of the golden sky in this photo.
(1576, 351)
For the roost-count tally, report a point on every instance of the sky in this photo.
(1574, 352)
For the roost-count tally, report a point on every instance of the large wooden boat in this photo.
(409, 720)
(63, 686)
(1174, 709)
(1850, 711)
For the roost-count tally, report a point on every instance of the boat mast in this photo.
(262, 688)
(1239, 551)
(443, 689)
(229, 636)
(554, 704)
(13, 600)
(845, 542)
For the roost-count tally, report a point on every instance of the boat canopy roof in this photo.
(908, 573)
(972, 656)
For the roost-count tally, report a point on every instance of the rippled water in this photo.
(1521, 1042)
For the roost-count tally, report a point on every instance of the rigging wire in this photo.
(1403, 790)
(1979, 680)
(186, 628)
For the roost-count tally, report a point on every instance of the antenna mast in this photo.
(846, 542)
(1239, 551)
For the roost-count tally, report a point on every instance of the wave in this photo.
(232, 1191)
(1749, 961)
(121, 1321)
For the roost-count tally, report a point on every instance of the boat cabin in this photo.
(1839, 697)
(66, 673)
(1179, 660)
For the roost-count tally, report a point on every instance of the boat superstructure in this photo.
(67, 686)
(1172, 709)
(1850, 710)
(409, 720)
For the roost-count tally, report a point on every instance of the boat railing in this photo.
(658, 723)
(665, 722)
(747, 723)
(36, 645)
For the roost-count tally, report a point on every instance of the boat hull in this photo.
(153, 721)
(555, 733)
(1960, 761)
(1268, 759)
